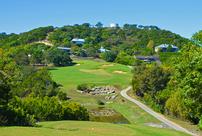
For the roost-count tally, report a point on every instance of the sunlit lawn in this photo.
(78, 128)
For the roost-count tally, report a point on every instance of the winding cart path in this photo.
(154, 114)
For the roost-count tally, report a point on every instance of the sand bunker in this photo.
(107, 65)
(119, 72)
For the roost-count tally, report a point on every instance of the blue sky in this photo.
(180, 16)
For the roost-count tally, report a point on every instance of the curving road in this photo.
(155, 114)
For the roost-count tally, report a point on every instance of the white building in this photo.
(164, 47)
(78, 41)
(114, 25)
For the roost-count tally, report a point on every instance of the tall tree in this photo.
(197, 37)
(186, 85)
(59, 57)
(150, 46)
(99, 25)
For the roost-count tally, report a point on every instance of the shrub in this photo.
(108, 56)
(74, 111)
(125, 59)
(83, 87)
(46, 109)
(59, 57)
(16, 116)
(62, 95)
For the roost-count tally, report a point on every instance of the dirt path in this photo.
(155, 114)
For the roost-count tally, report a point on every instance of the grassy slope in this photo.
(132, 112)
(94, 72)
(76, 128)
(88, 71)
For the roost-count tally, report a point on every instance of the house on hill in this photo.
(114, 25)
(166, 48)
(78, 41)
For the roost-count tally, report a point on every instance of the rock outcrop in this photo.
(101, 90)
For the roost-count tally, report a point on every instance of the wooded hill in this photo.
(126, 37)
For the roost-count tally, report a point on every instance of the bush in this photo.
(62, 95)
(74, 111)
(83, 87)
(80, 52)
(108, 56)
(46, 109)
(149, 101)
(16, 116)
(59, 57)
(125, 59)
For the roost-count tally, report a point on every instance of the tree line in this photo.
(28, 93)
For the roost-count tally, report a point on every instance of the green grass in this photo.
(77, 128)
(94, 72)
(132, 112)
(99, 73)
(90, 72)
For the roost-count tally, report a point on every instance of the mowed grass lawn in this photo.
(103, 73)
(78, 128)
(92, 72)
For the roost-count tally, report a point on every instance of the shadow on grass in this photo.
(56, 67)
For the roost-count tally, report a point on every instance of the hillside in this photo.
(47, 83)
(136, 36)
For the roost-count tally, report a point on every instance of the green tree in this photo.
(150, 46)
(20, 57)
(125, 59)
(197, 37)
(38, 84)
(91, 52)
(186, 81)
(37, 53)
(149, 79)
(4, 89)
(109, 56)
(99, 25)
(59, 57)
